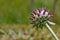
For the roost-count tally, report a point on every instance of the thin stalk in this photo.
(52, 32)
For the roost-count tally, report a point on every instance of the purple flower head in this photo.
(40, 16)
(40, 12)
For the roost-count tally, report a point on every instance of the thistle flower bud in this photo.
(40, 17)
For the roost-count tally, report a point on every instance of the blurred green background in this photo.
(14, 14)
(14, 11)
(18, 11)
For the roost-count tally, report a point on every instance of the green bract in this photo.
(40, 22)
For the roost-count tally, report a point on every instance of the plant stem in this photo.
(51, 31)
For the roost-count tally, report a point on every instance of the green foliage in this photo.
(14, 11)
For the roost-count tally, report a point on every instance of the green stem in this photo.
(52, 32)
